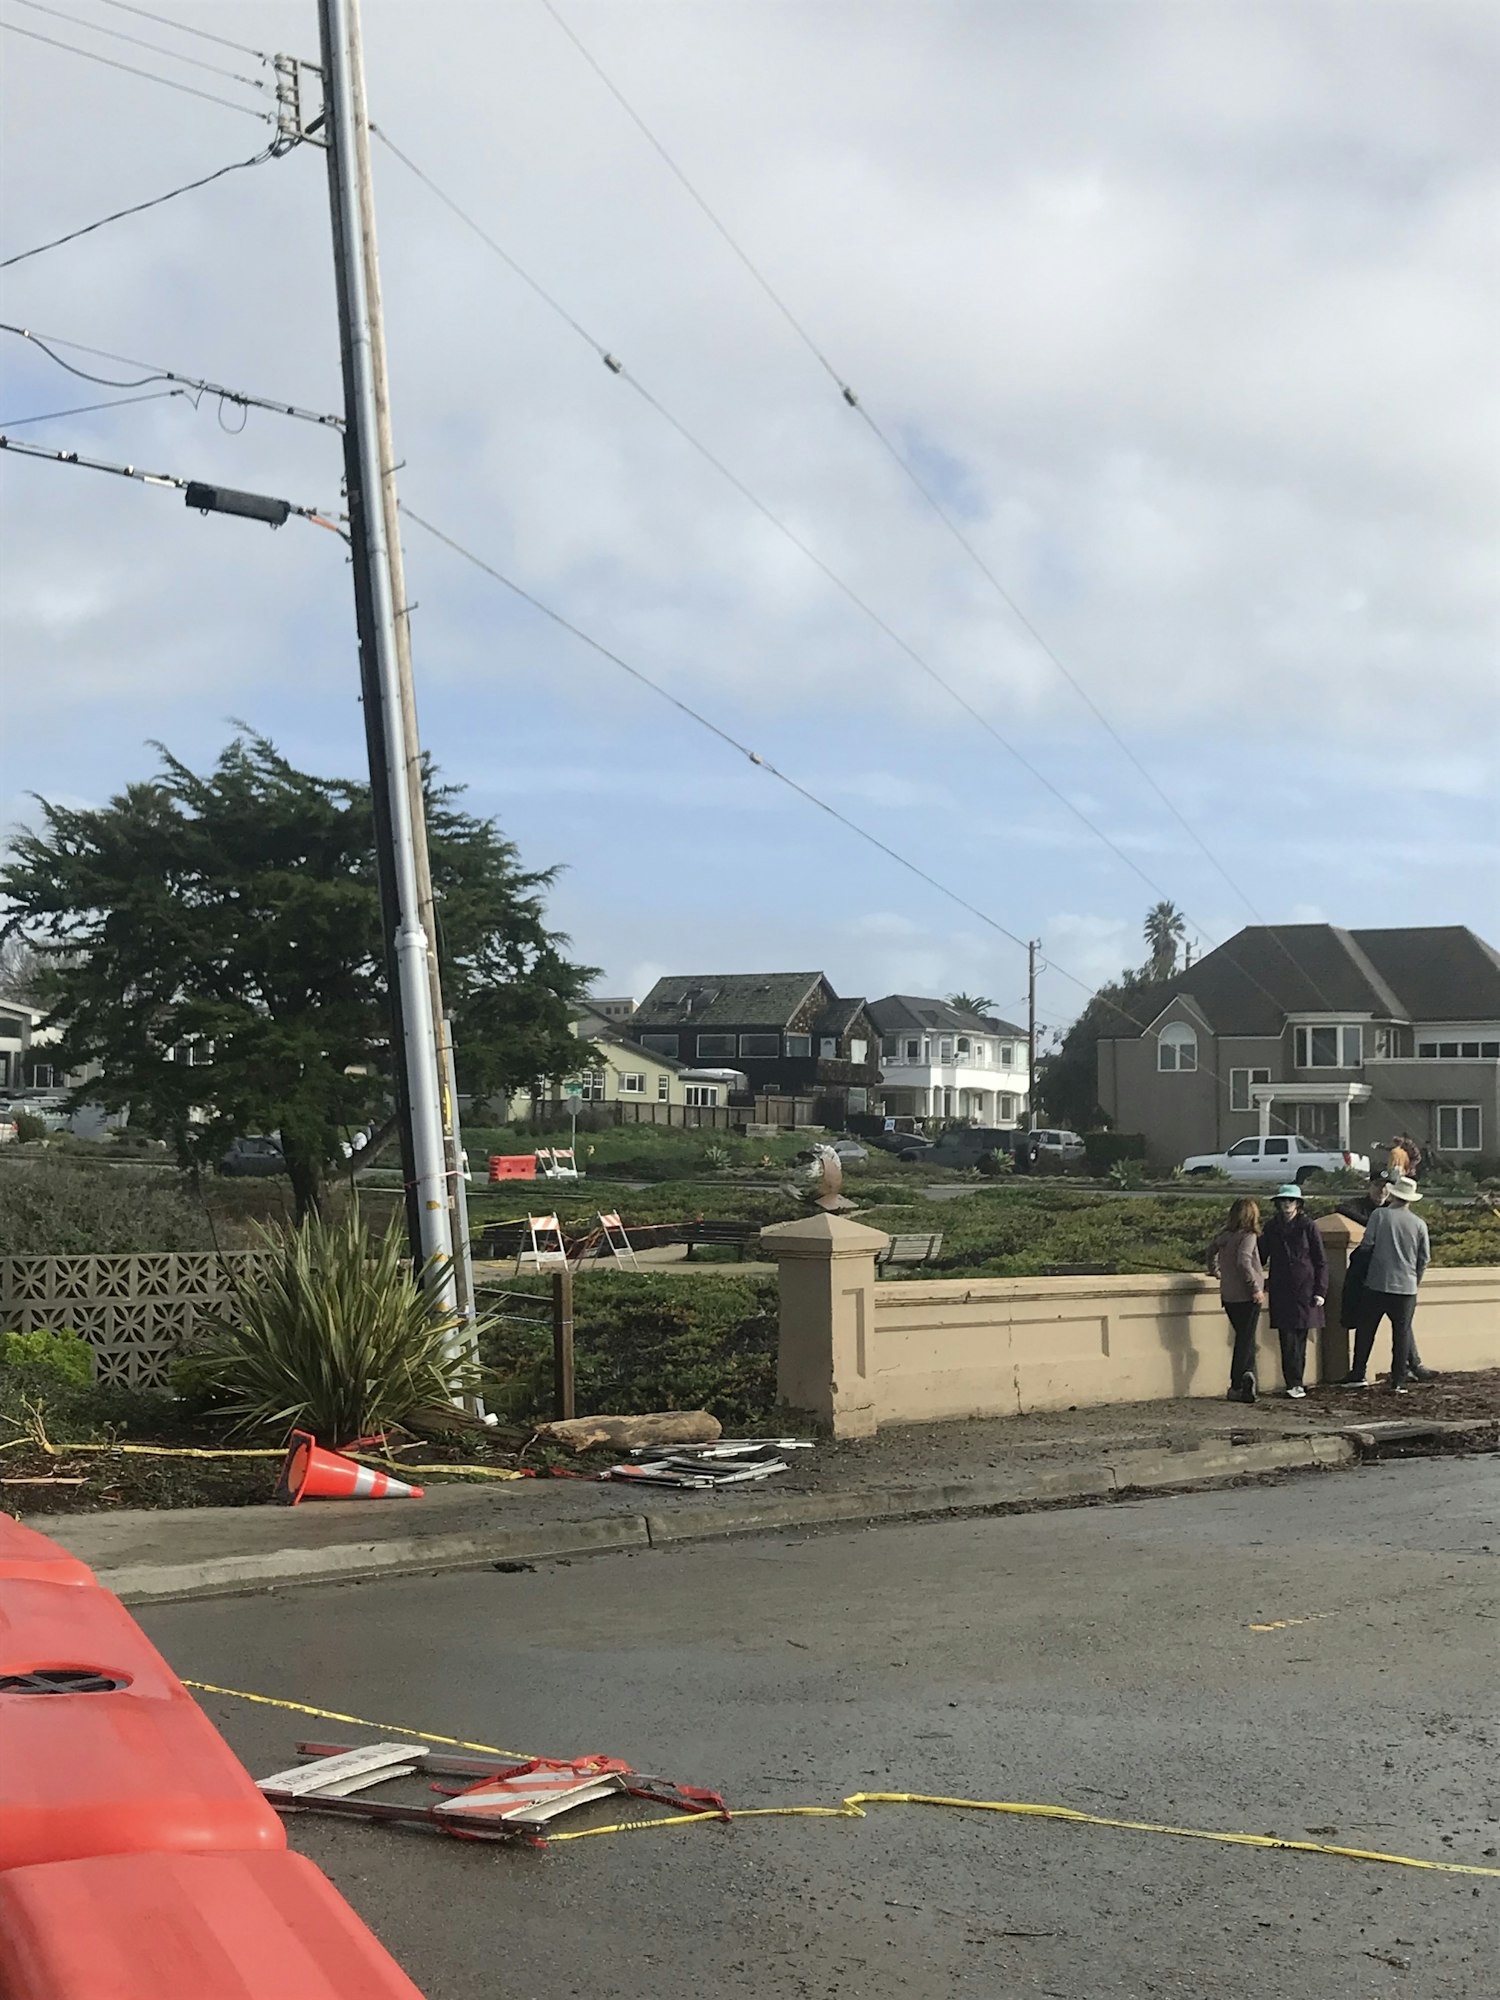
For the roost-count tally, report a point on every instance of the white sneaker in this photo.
(1296, 1394)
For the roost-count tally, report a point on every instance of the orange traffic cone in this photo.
(308, 1472)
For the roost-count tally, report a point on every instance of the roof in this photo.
(840, 1017)
(726, 999)
(1251, 983)
(899, 1012)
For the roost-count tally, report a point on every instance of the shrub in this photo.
(1127, 1172)
(1102, 1149)
(29, 1128)
(64, 1356)
(338, 1338)
(60, 1208)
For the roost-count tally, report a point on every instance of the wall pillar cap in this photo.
(822, 1236)
(1339, 1229)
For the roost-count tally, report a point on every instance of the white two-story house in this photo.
(939, 1063)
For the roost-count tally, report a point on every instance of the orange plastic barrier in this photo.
(24, 1553)
(187, 1927)
(123, 1760)
(512, 1167)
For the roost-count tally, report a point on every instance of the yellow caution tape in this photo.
(853, 1806)
(162, 1450)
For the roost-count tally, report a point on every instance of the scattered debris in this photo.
(498, 1801)
(728, 1463)
(514, 1568)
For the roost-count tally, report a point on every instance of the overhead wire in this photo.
(138, 41)
(47, 342)
(184, 28)
(856, 403)
(319, 515)
(131, 69)
(618, 368)
(86, 409)
(139, 207)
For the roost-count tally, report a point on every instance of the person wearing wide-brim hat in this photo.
(1399, 1253)
(1296, 1281)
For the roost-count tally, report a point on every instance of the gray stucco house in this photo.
(1345, 1036)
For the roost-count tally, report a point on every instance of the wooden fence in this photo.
(135, 1311)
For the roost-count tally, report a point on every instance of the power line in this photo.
(319, 515)
(119, 215)
(130, 69)
(944, 516)
(733, 742)
(882, 625)
(184, 28)
(85, 409)
(46, 342)
(138, 41)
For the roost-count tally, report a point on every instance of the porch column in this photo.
(1265, 1118)
(1344, 1108)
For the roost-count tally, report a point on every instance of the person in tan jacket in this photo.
(1234, 1260)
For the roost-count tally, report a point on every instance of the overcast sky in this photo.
(1189, 312)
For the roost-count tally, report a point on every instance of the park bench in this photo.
(738, 1236)
(910, 1250)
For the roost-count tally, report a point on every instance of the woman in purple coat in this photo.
(1296, 1281)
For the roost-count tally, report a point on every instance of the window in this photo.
(633, 1083)
(750, 1045)
(859, 1101)
(1391, 1042)
(890, 1048)
(1245, 1150)
(913, 1051)
(663, 1088)
(592, 1082)
(1177, 1047)
(716, 1045)
(965, 1047)
(1433, 1051)
(1240, 1081)
(1277, 1149)
(981, 1053)
(1007, 1055)
(195, 1053)
(43, 1076)
(1007, 1106)
(660, 1045)
(1460, 1128)
(828, 1047)
(796, 1045)
(858, 1050)
(1329, 1048)
(701, 1094)
(945, 1049)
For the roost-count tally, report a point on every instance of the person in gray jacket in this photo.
(1399, 1253)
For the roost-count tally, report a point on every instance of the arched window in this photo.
(1177, 1047)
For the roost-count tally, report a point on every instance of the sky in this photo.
(1187, 314)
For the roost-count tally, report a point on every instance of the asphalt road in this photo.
(1104, 1658)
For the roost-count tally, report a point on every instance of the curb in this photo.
(722, 1518)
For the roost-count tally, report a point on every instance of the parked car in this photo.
(850, 1151)
(1052, 1144)
(49, 1107)
(972, 1146)
(905, 1145)
(254, 1155)
(1280, 1156)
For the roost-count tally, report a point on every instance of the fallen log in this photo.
(623, 1433)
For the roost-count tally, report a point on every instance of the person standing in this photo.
(1399, 1253)
(1397, 1159)
(1235, 1260)
(1352, 1297)
(1296, 1281)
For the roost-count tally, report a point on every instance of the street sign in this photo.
(573, 1090)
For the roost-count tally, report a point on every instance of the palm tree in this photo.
(1164, 930)
(978, 1004)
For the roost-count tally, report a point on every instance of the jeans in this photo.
(1399, 1308)
(1244, 1316)
(1293, 1354)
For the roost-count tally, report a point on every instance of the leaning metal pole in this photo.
(418, 1049)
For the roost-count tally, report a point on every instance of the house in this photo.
(627, 1074)
(1344, 1036)
(789, 1032)
(940, 1063)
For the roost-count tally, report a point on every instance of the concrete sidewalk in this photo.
(1063, 1457)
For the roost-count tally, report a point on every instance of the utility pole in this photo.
(1032, 947)
(399, 815)
(410, 735)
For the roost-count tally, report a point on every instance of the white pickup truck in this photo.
(1282, 1156)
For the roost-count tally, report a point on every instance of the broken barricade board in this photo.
(499, 1801)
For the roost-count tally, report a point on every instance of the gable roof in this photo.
(839, 1017)
(727, 999)
(1248, 985)
(899, 1013)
